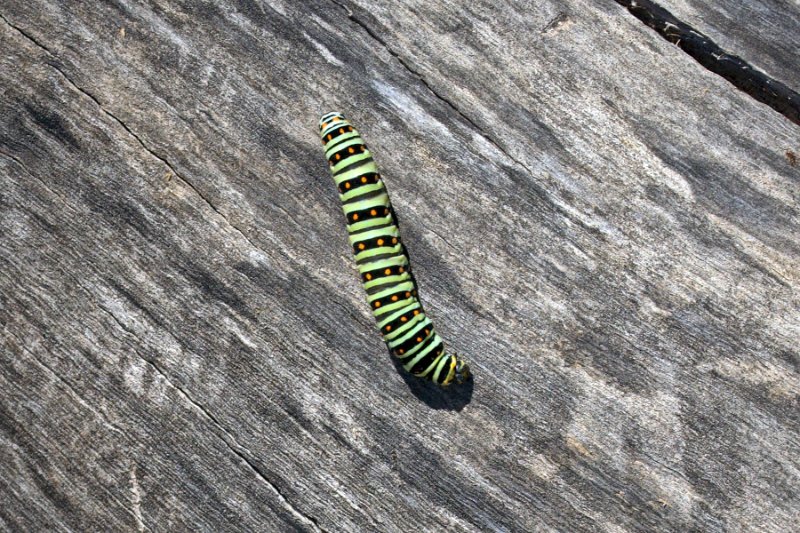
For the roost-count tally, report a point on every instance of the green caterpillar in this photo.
(382, 259)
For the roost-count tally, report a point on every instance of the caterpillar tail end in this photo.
(462, 373)
(459, 372)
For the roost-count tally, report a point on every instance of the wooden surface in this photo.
(608, 231)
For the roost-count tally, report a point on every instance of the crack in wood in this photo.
(131, 132)
(228, 439)
(737, 71)
(428, 86)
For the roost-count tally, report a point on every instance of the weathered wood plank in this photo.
(607, 230)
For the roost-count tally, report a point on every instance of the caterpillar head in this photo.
(330, 118)
(459, 371)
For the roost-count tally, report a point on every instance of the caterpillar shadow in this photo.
(453, 397)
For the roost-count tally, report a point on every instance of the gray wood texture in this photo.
(606, 230)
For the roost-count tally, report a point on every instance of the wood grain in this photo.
(607, 231)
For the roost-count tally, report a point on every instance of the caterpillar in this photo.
(382, 259)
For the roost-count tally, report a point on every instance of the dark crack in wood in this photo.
(733, 68)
